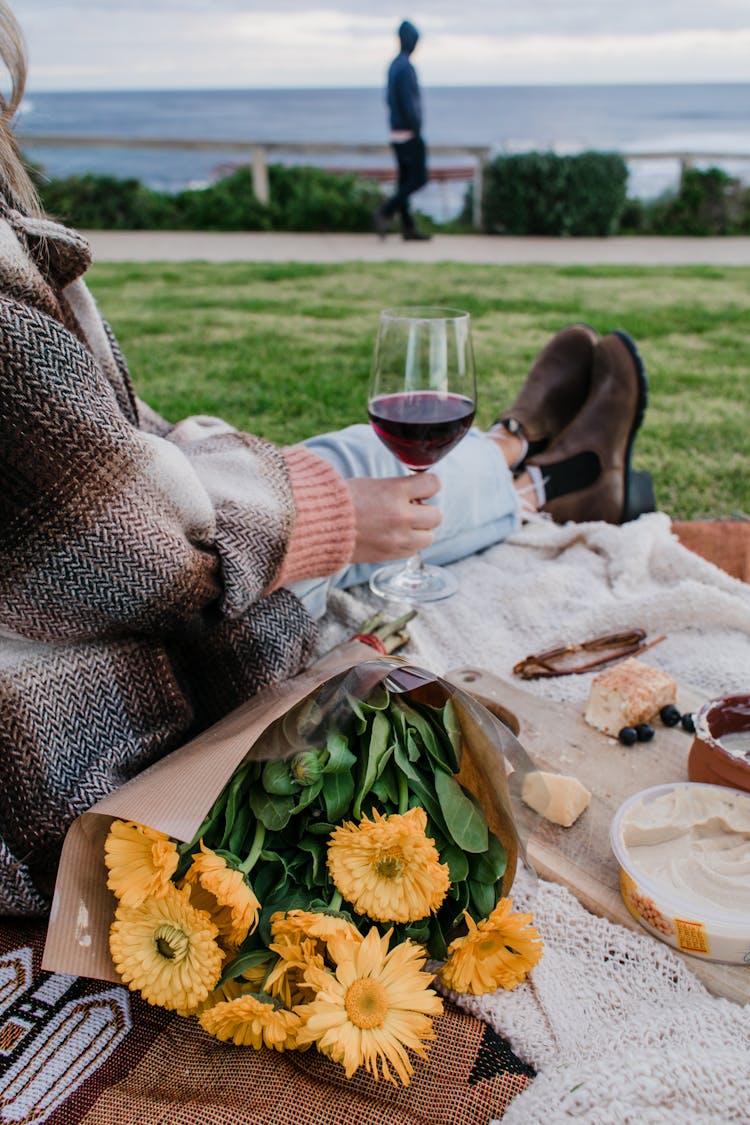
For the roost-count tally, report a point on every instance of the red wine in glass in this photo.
(420, 427)
(421, 403)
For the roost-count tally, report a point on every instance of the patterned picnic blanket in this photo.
(75, 1050)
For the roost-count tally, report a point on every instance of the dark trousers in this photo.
(411, 157)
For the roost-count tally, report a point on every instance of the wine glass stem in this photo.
(414, 564)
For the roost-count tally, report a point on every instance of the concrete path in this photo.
(244, 246)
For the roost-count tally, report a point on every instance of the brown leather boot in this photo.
(555, 387)
(597, 444)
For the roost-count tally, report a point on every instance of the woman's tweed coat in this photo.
(132, 562)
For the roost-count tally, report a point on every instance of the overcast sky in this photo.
(179, 44)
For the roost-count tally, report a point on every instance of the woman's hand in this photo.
(389, 520)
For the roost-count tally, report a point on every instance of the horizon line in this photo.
(31, 90)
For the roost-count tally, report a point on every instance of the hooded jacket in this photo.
(403, 97)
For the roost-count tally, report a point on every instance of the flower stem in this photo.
(335, 903)
(391, 633)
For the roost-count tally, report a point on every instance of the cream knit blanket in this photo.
(618, 1028)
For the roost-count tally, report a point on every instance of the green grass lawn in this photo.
(284, 350)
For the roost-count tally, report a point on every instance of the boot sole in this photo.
(641, 498)
(639, 492)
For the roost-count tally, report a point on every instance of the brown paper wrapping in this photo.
(174, 795)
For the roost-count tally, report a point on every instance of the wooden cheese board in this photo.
(558, 739)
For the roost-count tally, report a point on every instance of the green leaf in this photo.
(267, 877)
(316, 848)
(436, 944)
(379, 699)
(378, 750)
(284, 862)
(453, 905)
(401, 758)
(413, 746)
(386, 787)
(428, 726)
(233, 795)
(272, 812)
(240, 829)
(320, 827)
(452, 728)
(490, 866)
(244, 961)
(340, 756)
(458, 862)
(277, 780)
(483, 897)
(464, 821)
(426, 799)
(307, 795)
(338, 790)
(418, 931)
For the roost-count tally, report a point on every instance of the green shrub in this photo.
(708, 202)
(302, 198)
(228, 204)
(307, 198)
(544, 194)
(106, 203)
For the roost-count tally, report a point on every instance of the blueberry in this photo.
(628, 735)
(669, 715)
(644, 732)
(688, 722)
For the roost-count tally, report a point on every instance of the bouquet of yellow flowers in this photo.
(360, 836)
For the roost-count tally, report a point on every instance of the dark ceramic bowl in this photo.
(720, 753)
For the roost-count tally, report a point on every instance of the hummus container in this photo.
(720, 752)
(684, 856)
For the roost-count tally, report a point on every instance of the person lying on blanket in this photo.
(155, 575)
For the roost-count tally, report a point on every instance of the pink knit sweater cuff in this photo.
(322, 539)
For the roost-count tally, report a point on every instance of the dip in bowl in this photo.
(684, 856)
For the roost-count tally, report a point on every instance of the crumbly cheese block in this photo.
(557, 797)
(627, 694)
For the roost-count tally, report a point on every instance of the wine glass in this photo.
(421, 402)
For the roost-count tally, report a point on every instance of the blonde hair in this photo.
(15, 180)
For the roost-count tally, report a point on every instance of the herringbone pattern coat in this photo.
(133, 557)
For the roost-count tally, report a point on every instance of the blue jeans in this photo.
(479, 504)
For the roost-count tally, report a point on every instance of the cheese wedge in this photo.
(627, 694)
(557, 797)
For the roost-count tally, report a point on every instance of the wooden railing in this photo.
(257, 153)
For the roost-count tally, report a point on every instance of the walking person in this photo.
(405, 115)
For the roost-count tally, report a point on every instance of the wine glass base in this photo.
(398, 583)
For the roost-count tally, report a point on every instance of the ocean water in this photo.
(566, 119)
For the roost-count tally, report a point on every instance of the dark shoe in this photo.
(380, 222)
(555, 388)
(415, 235)
(596, 446)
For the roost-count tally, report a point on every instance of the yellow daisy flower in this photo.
(223, 892)
(166, 949)
(373, 1010)
(255, 976)
(497, 953)
(305, 923)
(387, 868)
(141, 862)
(287, 979)
(252, 1020)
